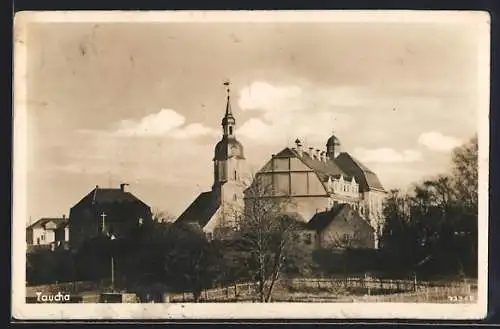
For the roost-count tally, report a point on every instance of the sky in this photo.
(142, 103)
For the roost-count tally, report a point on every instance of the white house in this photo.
(48, 231)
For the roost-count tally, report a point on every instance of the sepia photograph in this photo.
(238, 165)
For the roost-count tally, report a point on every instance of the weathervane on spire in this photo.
(227, 83)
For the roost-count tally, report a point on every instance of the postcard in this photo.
(250, 165)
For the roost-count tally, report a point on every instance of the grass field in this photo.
(343, 291)
(339, 290)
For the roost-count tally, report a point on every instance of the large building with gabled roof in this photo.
(106, 211)
(314, 180)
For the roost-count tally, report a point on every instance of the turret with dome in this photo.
(229, 152)
(333, 146)
(228, 146)
(215, 210)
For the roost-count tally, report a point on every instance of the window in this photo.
(235, 197)
(308, 239)
(37, 240)
(356, 236)
(209, 236)
(230, 130)
(235, 175)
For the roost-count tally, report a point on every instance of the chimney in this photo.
(323, 156)
(122, 186)
(311, 154)
(64, 216)
(318, 156)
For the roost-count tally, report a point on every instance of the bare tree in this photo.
(266, 235)
(161, 216)
(465, 174)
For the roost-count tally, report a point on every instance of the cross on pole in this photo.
(103, 215)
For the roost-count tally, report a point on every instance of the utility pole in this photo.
(112, 266)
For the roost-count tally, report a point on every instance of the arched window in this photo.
(230, 130)
(235, 175)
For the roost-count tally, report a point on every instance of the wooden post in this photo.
(112, 273)
(415, 281)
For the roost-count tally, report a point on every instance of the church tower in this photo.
(229, 162)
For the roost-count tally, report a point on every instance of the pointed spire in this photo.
(227, 83)
(228, 122)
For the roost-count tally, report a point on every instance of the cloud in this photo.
(164, 123)
(438, 142)
(285, 112)
(266, 97)
(387, 155)
(138, 158)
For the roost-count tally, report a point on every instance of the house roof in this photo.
(344, 164)
(323, 169)
(322, 219)
(201, 210)
(110, 196)
(42, 222)
(366, 178)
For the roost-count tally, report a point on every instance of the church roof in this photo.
(104, 196)
(366, 178)
(201, 210)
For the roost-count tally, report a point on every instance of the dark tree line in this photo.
(433, 228)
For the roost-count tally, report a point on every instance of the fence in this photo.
(399, 285)
(336, 289)
(349, 289)
(240, 292)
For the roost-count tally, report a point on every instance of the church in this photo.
(219, 209)
(313, 181)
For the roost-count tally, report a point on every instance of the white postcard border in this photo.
(23, 311)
